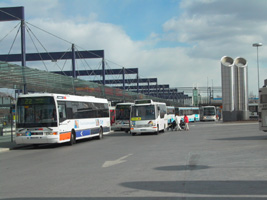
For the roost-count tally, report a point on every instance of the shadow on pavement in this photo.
(182, 167)
(244, 138)
(138, 198)
(202, 187)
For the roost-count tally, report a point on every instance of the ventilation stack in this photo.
(227, 73)
(234, 89)
(241, 89)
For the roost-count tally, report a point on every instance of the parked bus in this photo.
(191, 112)
(122, 117)
(263, 108)
(148, 116)
(253, 110)
(58, 118)
(207, 113)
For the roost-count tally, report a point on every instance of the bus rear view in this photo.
(122, 117)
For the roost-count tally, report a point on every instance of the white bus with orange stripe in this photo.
(43, 118)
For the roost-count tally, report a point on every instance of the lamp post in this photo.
(258, 45)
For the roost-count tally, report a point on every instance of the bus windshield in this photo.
(123, 112)
(36, 112)
(145, 112)
(209, 111)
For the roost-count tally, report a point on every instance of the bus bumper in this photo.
(144, 130)
(36, 140)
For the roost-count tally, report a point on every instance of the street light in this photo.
(258, 45)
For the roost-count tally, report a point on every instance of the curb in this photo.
(2, 150)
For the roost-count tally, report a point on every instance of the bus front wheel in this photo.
(133, 134)
(157, 132)
(72, 138)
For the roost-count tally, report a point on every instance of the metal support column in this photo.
(137, 82)
(123, 78)
(23, 51)
(73, 62)
(103, 71)
(148, 87)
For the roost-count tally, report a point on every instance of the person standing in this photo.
(186, 121)
(177, 120)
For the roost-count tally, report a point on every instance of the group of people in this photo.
(179, 124)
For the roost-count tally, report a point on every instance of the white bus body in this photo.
(207, 113)
(263, 109)
(122, 117)
(57, 118)
(191, 112)
(148, 116)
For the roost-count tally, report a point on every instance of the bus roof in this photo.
(146, 102)
(126, 103)
(188, 108)
(66, 97)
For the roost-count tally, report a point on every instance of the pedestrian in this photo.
(186, 121)
(177, 120)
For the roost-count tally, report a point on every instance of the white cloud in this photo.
(218, 28)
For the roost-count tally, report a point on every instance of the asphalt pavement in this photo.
(220, 161)
(7, 141)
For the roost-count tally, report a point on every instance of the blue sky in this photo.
(137, 17)
(180, 42)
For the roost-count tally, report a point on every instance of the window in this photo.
(62, 111)
(146, 112)
(81, 110)
(36, 112)
(162, 110)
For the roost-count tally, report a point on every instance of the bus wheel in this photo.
(72, 138)
(133, 134)
(100, 134)
(35, 146)
(157, 132)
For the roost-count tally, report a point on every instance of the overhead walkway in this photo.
(15, 77)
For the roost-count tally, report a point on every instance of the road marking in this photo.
(116, 162)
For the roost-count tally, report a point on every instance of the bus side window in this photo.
(69, 113)
(62, 112)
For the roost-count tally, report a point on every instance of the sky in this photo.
(179, 42)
